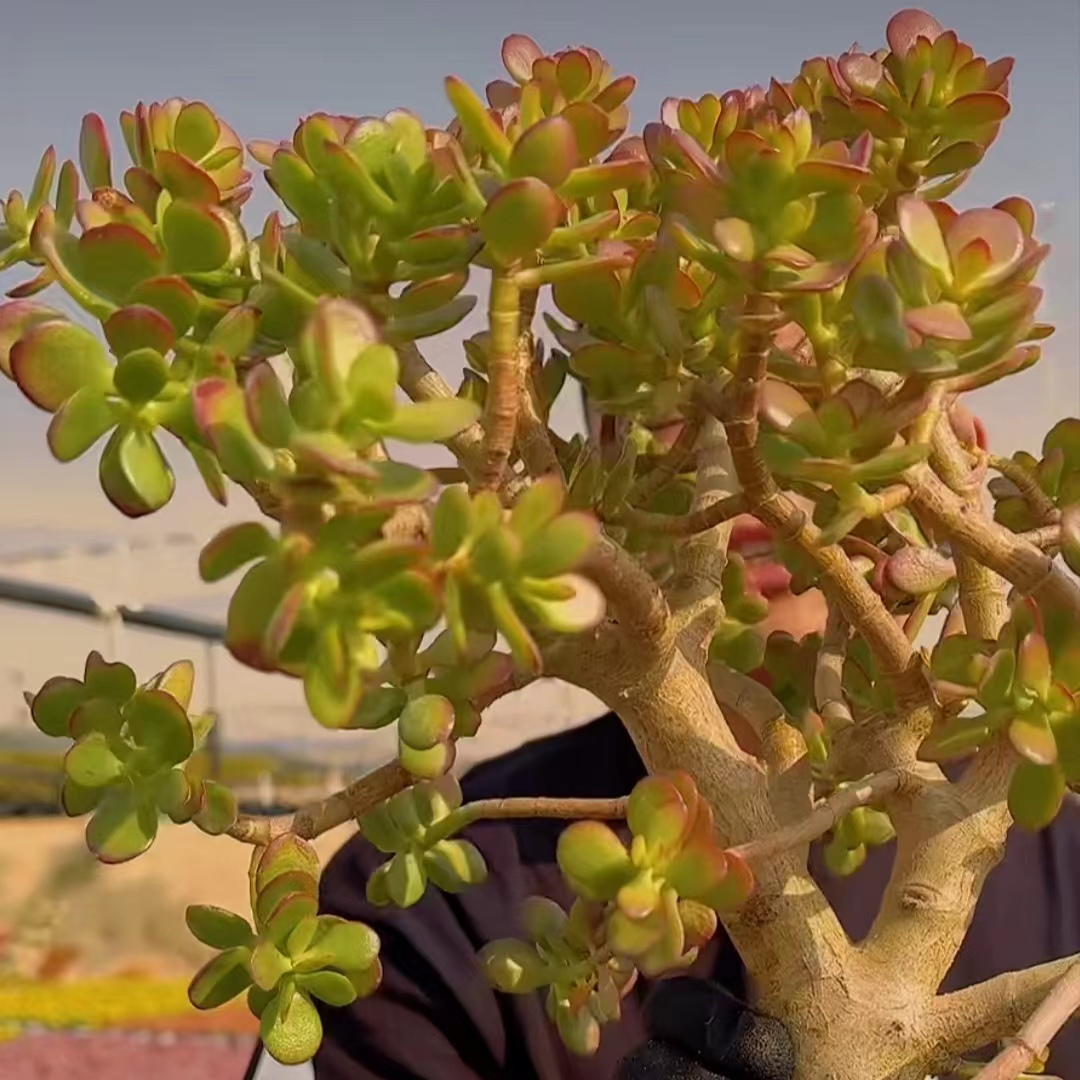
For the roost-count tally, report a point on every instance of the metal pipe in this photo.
(77, 603)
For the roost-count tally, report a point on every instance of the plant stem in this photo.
(1047, 1020)
(504, 378)
(821, 819)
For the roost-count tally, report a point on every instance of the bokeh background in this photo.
(263, 65)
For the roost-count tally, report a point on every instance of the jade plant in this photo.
(779, 271)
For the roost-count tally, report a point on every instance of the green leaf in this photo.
(289, 884)
(290, 912)
(341, 944)
(426, 764)
(222, 979)
(134, 474)
(220, 414)
(219, 810)
(158, 723)
(451, 521)
(141, 375)
(139, 326)
(268, 964)
(218, 928)
(920, 228)
(115, 681)
(234, 547)
(267, 408)
(537, 507)
(658, 812)
(559, 546)
(333, 339)
(397, 482)
(580, 608)
(55, 359)
(430, 421)
(454, 865)
(329, 986)
(593, 860)
(522, 646)
(476, 120)
(94, 157)
(372, 383)
(76, 801)
(195, 240)
(235, 332)
(54, 704)
(426, 721)
(123, 826)
(519, 219)
(547, 150)
(1035, 794)
(513, 967)
(290, 1028)
(196, 131)
(113, 259)
(284, 854)
(172, 297)
(90, 763)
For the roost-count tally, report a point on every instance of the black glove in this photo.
(698, 1031)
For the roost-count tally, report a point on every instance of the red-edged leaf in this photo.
(53, 360)
(94, 158)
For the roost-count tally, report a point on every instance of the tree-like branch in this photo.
(421, 382)
(739, 412)
(360, 797)
(829, 670)
(982, 593)
(533, 437)
(637, 600)
(670, 465)
(697, 521)
(510, 353)
(1035, 1003)
(1040, 503)
(540, 807)
(1032, 571)
(822, 818)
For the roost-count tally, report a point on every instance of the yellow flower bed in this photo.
(92, 1003)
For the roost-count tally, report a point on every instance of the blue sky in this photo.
(263, 65)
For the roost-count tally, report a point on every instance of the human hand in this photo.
(698, 1031)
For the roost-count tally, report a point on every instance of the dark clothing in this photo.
(435, 1018)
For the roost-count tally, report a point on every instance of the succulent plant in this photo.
(771, 308)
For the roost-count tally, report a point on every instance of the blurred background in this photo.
(91, 934)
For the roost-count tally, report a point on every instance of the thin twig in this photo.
(310, 821)
(698, 521)
(821, 819)
(1045, 1022)
(1041, 505)
(505, 376)
(744, 695)
(829, 671)
(670, 465)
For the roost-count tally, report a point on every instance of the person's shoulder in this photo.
(595, 760)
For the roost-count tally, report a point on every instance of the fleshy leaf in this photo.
(1035, 794)
(55, 359)
(123, 826)
(134, 473)
(218, 928)
(594, 860)
(519, 219)
(222, 979)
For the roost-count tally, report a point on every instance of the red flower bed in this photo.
(115, 1055)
